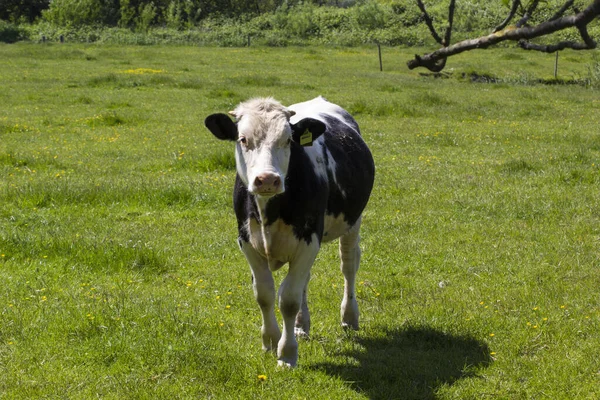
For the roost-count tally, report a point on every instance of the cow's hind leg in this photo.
(303, 316)
(350, 259)
(264, 292)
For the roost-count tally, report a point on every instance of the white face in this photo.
(263, 154)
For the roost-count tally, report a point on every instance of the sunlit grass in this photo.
(120, 272)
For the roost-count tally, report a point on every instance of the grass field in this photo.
(120, 275)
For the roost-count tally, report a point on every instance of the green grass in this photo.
(120, 272)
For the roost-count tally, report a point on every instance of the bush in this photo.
(9, 33)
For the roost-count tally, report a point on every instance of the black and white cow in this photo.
(304, 176)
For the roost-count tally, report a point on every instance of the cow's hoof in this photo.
(286, 364)
(350, 326)
(301, 333)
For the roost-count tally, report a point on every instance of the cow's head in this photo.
(264, 137)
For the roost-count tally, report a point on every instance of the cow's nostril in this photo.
(258, 181)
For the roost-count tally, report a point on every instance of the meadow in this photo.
(120, 275)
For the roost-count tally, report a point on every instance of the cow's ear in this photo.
(305, 131)
(221, 126)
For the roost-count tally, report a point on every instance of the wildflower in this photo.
(228, 306)
(493, 353)
(43, 298)
(262, 378)
(492, 334)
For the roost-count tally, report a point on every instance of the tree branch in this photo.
(523, 21)
(562, 10)
(434, 60)
(448, 35)
(429, 23)
(511, 15)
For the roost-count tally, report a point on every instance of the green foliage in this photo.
(146, 15)
(274, 23)
(127, 14)
(9, 32)
(78, 13)
(26, 11)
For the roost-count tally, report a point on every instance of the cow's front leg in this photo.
(290, 301)
(264, 292)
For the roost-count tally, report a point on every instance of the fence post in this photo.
(248, 40)
(380, 61)
(556, 66)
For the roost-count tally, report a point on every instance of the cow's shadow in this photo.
(409, 363)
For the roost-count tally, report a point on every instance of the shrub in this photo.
(9, 33)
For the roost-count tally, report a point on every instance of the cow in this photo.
(304, 176)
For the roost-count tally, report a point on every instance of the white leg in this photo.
(350, 257)
(303, 316)
(264, 292)
(290, 301)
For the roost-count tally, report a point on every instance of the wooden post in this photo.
(380, 61)
(556, 66)
(248, 40)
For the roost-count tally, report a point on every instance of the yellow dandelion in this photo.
(228, 306)
(492, 334)
(262, 378)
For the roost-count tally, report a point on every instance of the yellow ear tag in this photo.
(306, 138)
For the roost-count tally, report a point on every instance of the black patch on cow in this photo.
(354, 168)
(221, 126)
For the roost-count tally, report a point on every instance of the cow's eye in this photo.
(243, 140)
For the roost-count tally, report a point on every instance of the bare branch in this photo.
(511, 15)
(551, 48)
(523, 21)
(562, 10)
(429, 23)
(448, 35)
(433, 61)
